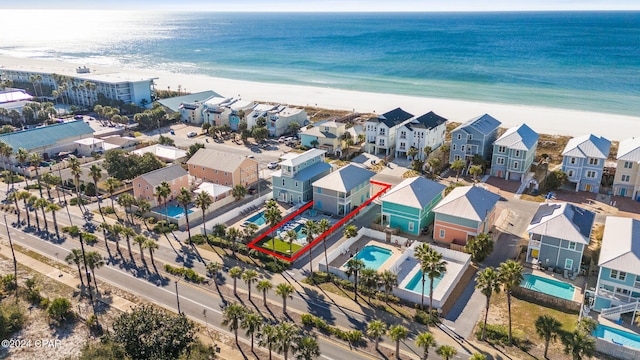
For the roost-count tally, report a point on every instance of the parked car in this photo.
(272, 165)
(192, 134)
(282, 139)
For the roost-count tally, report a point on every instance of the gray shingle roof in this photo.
(174, 103)
(46, 135)
(468, 202)
(588, 146)
(629, 150)
(563, 221)
(393, 117)
(416, 192)
(484, 124)
(519, 138)
(168, 173)
(218, 160)
(345, 178)
(621, 245)
(429, 120)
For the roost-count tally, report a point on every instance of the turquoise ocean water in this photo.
(575, 60)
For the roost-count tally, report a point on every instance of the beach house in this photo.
(325, 135)
(277, 118)
(144, 186)
(424, 131)
(513, 153)
(583, 161)
(189, 106)
(343, 190)
(464, 213)
(558, 235)
(408, 206)
(627, 179)
(619, 262)
(292, 183)
(381, 131)
(238, 111)
(476, 136)
(168, 154)
(223, 168)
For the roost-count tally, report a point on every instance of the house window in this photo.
(568, 264)
(620, 275)
(626, 178)
(381, 142)
(572, 245)
(411, 226)
(296, 184)
(470, 137)
(570, 173)
(456, 157)
(593, 161)
(515, 165)
(441, 233)
(147, 187)
(216, 170)
(572, 161)
(139, 185)
(502, 149)
(462, 148)
(319, 190)
(591, 174)
(517, 153)
(383, 131)
(628, 164)
(403, 134)
(225, 173)
(453, 147)
(282, 182)
(459, 136)
(500, 161)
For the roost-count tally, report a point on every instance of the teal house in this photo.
(408, 205)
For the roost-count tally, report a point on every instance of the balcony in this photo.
(616, 298)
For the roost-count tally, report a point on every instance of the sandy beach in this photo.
(541, 119)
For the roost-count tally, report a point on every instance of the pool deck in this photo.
(359, 245)
(579, 283)
(410, 268)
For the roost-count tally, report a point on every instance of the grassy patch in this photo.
(538, 198)
(281, 247)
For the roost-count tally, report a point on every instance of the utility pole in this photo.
(178, 297)
(15, 263)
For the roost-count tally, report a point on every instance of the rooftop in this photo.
(212, 189)
(45, 135)
(519, 137)
(429, 121)
(301, 158)
(416, 192)
(162, 151)
(468, 202)
(563, 221)
(219, 160)
(393, 117)
(14, 95)
(621, 245)
(588, 146)
(174, 103)
(345, 178)
(171, 172)
(484, 124)
(89, 141)
(95, 75)
(629, 149)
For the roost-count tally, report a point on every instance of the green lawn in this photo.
(282, 247)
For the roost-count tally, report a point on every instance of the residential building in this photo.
(324, 135)
(187, 104)
(343, 190)
(120, 142)
(583, 161)
(619, 263)
(259, 111)
(513, 153)
(408, 205)
(89, 146)
(50, 140)
(144, 186)
(476, 136)
(216, 192)
(292, 182)
(238, 112)
(381, 131)
(426, 130)
(627, 179)
(558, 235)
(223, 168)
(277, 117)
(465, 212)
(168, 154)
(13, 99)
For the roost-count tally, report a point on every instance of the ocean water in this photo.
(575, 60)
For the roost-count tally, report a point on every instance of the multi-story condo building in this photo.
(583, 161)
(325, 135)
(277, 117)
(144, 186)
(292, 183)
(513, 153)
(627, 179)
(381, 131)
(223, 168)
(475, 136)
(426, 130)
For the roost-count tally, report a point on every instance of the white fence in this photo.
(196, 215)
(615, 350)
(341, 249)
(235, 212)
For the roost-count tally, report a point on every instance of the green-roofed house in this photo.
(408, 205)
(343, 190)
(49, 141)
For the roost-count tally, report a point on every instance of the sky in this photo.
(328, 5)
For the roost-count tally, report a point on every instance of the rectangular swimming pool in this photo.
(548, 286)
(373, 256)
(175, 212)
(617, 336)
(258, 219)
(415, 284)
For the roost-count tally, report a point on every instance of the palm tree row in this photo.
(116, 231)
(250, 277)
(432, 266)
(370, 279)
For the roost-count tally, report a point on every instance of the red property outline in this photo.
(323, 235)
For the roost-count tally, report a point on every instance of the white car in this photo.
(272, 165)
(192, 134)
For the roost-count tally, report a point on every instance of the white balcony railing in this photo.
(535, 244)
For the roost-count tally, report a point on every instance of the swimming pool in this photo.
(548, 286)
(617, 336)
(373, 256)
(175, 212)
(258, 219)
(415, 284)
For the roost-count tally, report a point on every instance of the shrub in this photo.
(186, 273)
(9, 282)
(307, 319)
(89, 238)
(74, 201)
(321, 277)
(162, 227)
(60, 309)
(108, 210)
(495, 333)
(320, 324)
(44, 303)
(71, 230)
(151, 220)
(423, 318)
(11, 319)
(197, 239)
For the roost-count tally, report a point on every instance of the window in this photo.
(591, 174)
(381, 142)
(403, 134)
(383, 131)
(470, 137)
(296, 184)
(515, 165)
(319, 190)
(502, 149)
(500, 161)
(462, 148)
(139, 185)
(459, 136)
(570, 173)
(441, 233)
(568, 264)
(572, 245)
(593, 161)
(628, 164)
(326, 129)
(572, 161)
(517, 153)
(620, 275)
(626, 178)
(453, 147)
(411, 225)
(282, 182)
(147, 187)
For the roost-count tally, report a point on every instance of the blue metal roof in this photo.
(46, 135)
(174, 103)
(310, 172)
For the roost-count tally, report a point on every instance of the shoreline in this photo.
(544, 120)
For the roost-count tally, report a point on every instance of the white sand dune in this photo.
(541, 119)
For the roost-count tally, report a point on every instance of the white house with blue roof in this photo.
(49, 141)
(558, 235)
(476, 136)
(626, 182)
(343, 190)
(426, 130)
(513, 153)
(381, 131)
(583, 161)
(292, 183)
(618, 288)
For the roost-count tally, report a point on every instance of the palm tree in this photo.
(75, 257)
(268, 338)
(249, 231)
(412, 152)
(41, 203)
(128, 234)
(203, 201)
(475, 170)
(398, 333)
(478, 356)
(94, 261)
(5, 151)
(488, 282)
(235, 273)
(22, 155)
(112, 185)
(117, 229)
(140, 240)
(49, 180)
(350, 231)
(548, 328)
(239, 192)
(434, 163)
(435, 267)
(389, 280)
(76, 171)
(232, 315)
(510, 273)
(290, 236)
(52, 208)
(369, 279)
(273, 215)
(233, 234)
(310, 227)
(162, 192)
(288, 334)
(184, 199)
(96, 174)
(264, 286)
(446, 351)
(422, 254)
(375, 330)
(249, 277)
(32, 202)
(285, 291)
(251, 323)
(143, 206)
(354, 267)
(151, 245)
(457, 166)
(24, 196)
(35, 160)
(105, 227)
(425, 341)
(307, 348)
(323, 226)
(13, 197)
(579, 344)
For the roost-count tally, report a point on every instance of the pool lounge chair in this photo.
(566, 274)
(574, 276)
